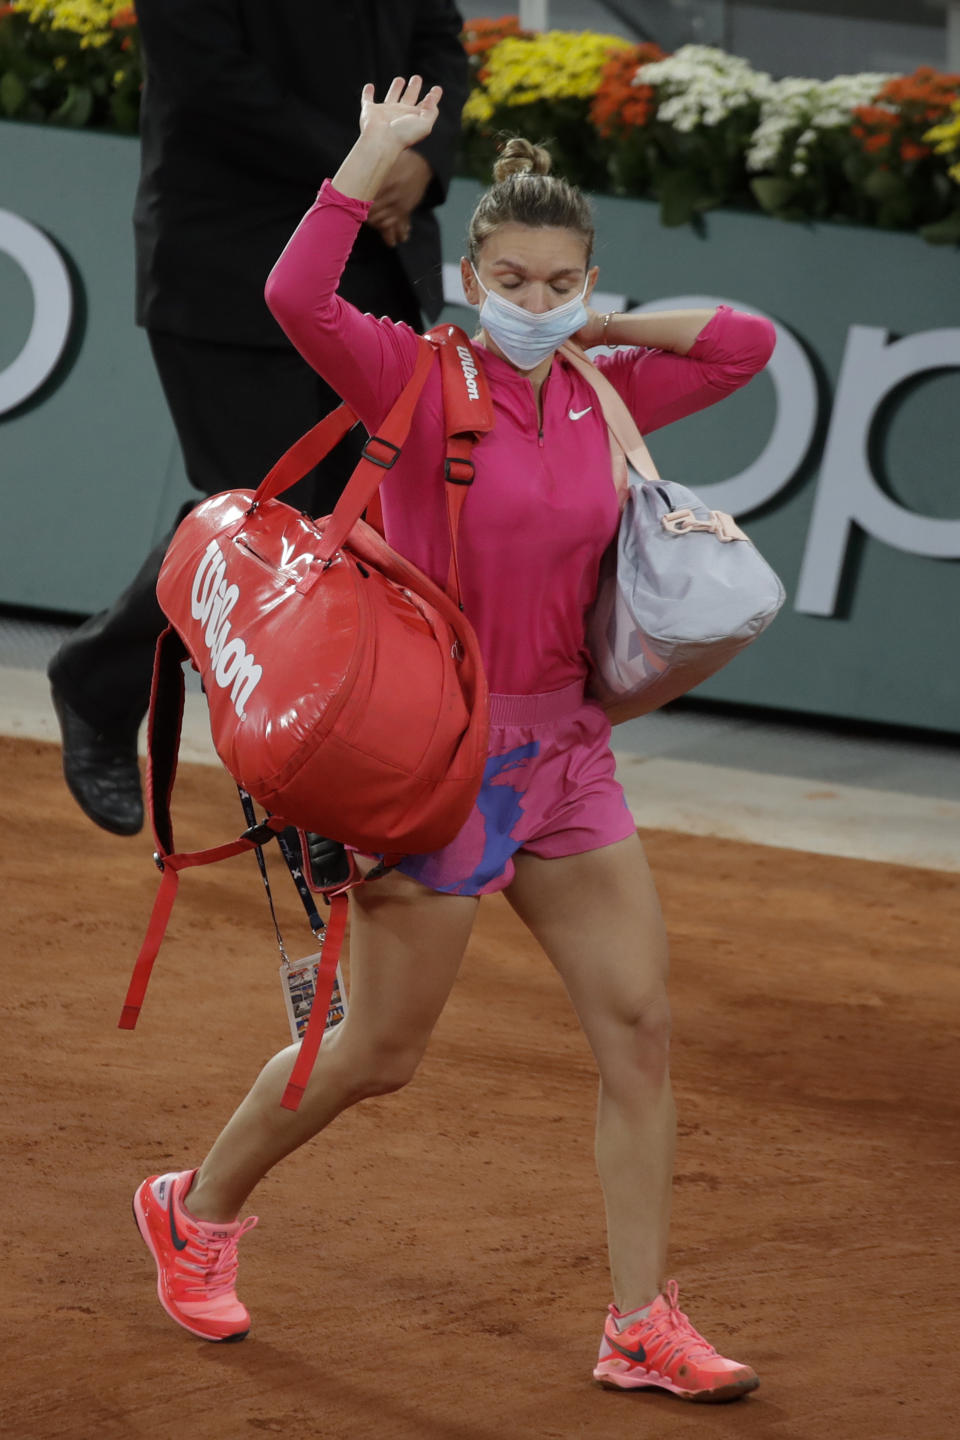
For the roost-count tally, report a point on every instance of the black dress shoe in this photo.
(101, 771)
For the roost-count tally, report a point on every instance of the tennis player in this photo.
(551, 827)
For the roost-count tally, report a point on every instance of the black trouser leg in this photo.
(104, 668)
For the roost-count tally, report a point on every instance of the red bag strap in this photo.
(316, 1025)
(305, 453)
(467, 406)
(171, 865)
(374, 514)
(379, 455)
(468, 415)
(163, 744)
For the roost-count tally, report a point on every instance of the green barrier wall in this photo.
(90, 471)
(841, 461)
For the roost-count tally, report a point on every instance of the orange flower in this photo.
(902, 112)
(877, 116)
(925, 86)
(503, 24)
(124, 19)
(481, 35)
(619, 105)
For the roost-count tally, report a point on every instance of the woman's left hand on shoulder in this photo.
(592, 333)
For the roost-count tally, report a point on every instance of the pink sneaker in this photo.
(664, 1350)
(196, 1261)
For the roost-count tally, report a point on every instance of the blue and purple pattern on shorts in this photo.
(489, 830)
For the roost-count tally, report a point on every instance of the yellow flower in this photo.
(556, 65)
(946, 136)
(34, 10)
(479, 107)
(954, 173)
(89, 19)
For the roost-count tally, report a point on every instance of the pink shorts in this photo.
(548, 787)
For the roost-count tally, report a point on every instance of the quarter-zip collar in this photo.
(519, 387)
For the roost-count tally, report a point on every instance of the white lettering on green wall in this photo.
(49, 280)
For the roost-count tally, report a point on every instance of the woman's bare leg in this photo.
(598, 918)
(406, 943)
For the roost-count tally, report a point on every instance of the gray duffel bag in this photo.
(680, 594)
(681, 591)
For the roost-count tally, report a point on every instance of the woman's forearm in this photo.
(674, 330)
(366, 166)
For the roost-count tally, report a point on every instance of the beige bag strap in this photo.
(626, 441)
(625, 438)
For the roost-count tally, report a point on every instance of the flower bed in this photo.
(693, 130)
(702, 128)
(76, 62)
(858, 147)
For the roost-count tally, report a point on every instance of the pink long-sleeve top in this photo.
(542, 509)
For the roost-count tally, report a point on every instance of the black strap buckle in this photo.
(385, 464)
(259, 834)
(326, 859)
(467, 472)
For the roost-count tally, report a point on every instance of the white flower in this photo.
(810, 108)
(702, 86)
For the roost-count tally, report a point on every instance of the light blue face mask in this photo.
(525, 338)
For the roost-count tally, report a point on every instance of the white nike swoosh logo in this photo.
(579, 414)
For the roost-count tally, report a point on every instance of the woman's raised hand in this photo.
(401, 117)
(382, 150)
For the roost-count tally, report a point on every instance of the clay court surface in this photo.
(433, 1269)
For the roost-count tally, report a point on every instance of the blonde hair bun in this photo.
(525, 193)
(521, 157)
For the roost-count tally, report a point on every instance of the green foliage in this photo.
(561, 126)
(51, 76)
(13, 93)
(943, 232)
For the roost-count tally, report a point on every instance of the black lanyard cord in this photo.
(289, 843)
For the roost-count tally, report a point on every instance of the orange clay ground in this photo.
(433, 1268)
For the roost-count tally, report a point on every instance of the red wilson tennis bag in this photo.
(346, 691)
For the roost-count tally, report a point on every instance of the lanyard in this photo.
(290, 850)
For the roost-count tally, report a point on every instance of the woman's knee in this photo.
(382, 1068)
(639, 1047)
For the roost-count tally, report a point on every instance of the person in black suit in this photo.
(247, 107)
